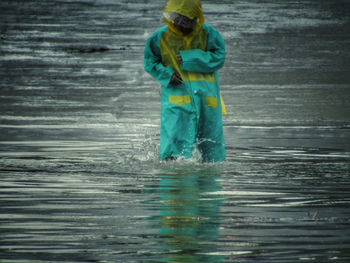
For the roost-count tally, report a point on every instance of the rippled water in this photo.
(80, 178)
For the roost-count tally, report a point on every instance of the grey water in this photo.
(80, 177)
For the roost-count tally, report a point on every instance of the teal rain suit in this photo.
(191, 112)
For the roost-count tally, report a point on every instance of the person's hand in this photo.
(176, 78)
(179, 59)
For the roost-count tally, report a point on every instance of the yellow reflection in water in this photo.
(189, 217)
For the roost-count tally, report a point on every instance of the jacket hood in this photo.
(189, 8)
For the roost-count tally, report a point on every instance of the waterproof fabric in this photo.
(189, 8)
(191, 112)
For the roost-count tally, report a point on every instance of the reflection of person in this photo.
(189, 217)
(184, 57)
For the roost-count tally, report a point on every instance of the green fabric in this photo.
(152, 59)
(197, 60)
(194, 121)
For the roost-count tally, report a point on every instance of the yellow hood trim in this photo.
(189, 8)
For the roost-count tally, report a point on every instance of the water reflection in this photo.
(190, 217)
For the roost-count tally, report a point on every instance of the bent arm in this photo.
(197, 60)
(153, 63)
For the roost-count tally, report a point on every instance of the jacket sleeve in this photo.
(153, 63)
(197, 60)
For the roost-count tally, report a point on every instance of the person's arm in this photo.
(197, 60)
(153, 63)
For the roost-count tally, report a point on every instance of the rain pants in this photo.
(191, 112)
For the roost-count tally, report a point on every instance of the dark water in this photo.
(80, 179)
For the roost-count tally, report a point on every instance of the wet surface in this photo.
(80, 179)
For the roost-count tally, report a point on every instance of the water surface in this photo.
(80, 178)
